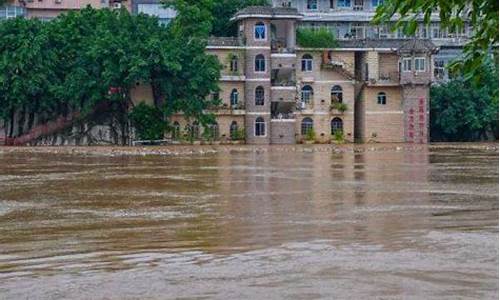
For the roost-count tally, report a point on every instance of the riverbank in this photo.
(177, 150)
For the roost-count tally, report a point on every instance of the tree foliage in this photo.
(221, 11)
(97, 57)
(481, 14)
(321, 38)
(148, 122)
(461, 111)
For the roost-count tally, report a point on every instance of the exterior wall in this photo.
(388, 64)
(416, 112)
(142, 93)
(283, 131)
(226, 88)
(383, 123)
(414, 77)
(224, 56)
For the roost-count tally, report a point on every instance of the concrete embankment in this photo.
(212, 149)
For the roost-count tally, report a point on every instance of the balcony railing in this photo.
(280, 46)
(283, 116)
(388, 77)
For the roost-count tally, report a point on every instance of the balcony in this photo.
(284, 77)
(280, 46)
(385, 79)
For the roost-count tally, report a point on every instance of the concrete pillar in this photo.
(291, 35)
(372, 61)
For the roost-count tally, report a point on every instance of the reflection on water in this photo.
(264, 224)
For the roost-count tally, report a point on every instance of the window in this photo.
(336, 94)
(343, 3)
(381, 98)
(233, 130)
(420, 64)
(306, 95)
(260, 31)
(234, 98)
(259, 96)
(312, 4)
(306, 126)
(358, 5)
(260, 63)
(406, 64)
(307, 63)
(439, 70)
(176, 130)
(331, 4)
(215, 96)
(357, 31)
(376, 3)
(234, 64)
(260, 127)
(213, 131)
(194, 130)
(165, 15)
(336, 125)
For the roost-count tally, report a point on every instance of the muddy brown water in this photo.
(270, 224)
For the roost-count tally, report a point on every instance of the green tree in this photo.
(321, 38)
(481, 14)
(223, 11)
(148, 121)
(461, 111)
(27, 73)
(220, 12)
(92, 60)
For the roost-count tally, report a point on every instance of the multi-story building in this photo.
(279, 92)
(351, 19)
(49, 9)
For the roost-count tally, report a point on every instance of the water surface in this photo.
(272, 224)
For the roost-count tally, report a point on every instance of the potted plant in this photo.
(341, 107)
(310, 137)
(338, 137)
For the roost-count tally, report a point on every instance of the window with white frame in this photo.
(307, 63)
(439, 69)
(306, 126)
(234, 64)
(336, 125)
(234, 97)
(376, 3)
(260, 127)
(336, 94)
(420, 64)
(406, 64)
(260, 31)
(260, 63)
(312, 4)
(306, 96)
(259, 96)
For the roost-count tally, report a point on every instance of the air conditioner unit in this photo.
(57, 1)
(117, 5)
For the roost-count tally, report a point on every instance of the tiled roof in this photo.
(272, 12)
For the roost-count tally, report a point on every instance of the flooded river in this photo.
(274, 223)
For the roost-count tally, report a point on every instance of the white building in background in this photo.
(351, 19)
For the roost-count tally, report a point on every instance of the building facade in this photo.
(350, 19)
(47, 10)
(280, 93)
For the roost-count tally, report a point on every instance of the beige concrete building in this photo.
(278, 92)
